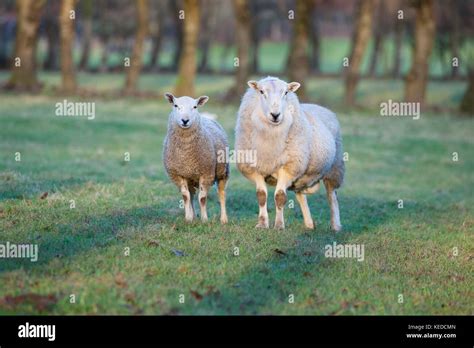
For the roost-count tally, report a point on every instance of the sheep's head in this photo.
(273, 96)
(185, 109)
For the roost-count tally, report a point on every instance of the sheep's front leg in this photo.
(261, 188)
(221, 191)
(308, 221)
(203, 189)
(187, 198)
(283, 182)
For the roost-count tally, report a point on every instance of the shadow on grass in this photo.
(68, 240)
(253, 290)
(294, 267)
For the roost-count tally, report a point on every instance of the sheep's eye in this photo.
(286, 92)
(195, 106)
(175, 105)
(261, 92)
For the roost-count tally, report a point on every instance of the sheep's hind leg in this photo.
(308, 221)
(221, 190)
(334, 205)
(188, 204)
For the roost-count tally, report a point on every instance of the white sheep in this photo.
(297, 145)
(190, 154)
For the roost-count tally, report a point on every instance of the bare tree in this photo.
(136, 61)
(378, 30)
(208, 26)
(397, 53)
(243, 38)
(23, 75)
(298, 61)
(87, 10)
(315, 38)
(417, 79)
(359, 44)
(187, 60)
(467, 102)
(157, 33)
(50, 23)
(66, 29)
(455, 35)
(175, 6)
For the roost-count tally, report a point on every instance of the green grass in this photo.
(133, 205)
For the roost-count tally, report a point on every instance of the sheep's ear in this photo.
(253, 84)
(202, 100)
(170, 98)
(293, 86)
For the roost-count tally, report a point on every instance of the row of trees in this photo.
(303, 53)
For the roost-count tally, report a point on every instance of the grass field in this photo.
(424, 252)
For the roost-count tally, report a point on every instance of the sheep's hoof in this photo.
(279, 225)
(262, 223)
(336, 228)
(309, 225)
(224, 220)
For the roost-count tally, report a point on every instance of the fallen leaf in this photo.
(280, 252)
(130, 297)
(120, 280)
(153, 243)
(196, 295)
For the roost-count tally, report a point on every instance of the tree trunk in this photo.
(174, 8)
(315, 46)
(24, 76)
(104, 59)
(378, 39)
(243, 38)
(298, 61)
(467, 103)
(455, 37)
(187, 61)
(255, 50)
(66, 29)
(136, 61)
(417, 79)
(87, 7)
(397, 58)
(359, 44)
(208, 26)
(51, 26)
(157, 41)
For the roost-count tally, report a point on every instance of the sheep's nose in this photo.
(185, 122)
(275, 115)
